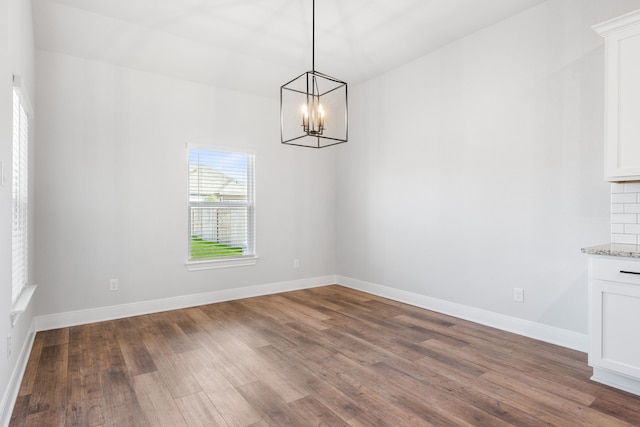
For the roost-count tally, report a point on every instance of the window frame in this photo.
(231, 261)
(20, 191)
(21, 298)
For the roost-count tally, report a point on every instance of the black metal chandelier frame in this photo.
(313, 93)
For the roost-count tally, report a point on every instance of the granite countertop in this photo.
(614, 249)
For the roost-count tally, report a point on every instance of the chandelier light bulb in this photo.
(313, 118)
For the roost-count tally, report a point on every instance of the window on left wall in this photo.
(20, 196)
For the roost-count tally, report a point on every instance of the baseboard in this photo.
(11, 392)
(81, 317)
(538, 331)
(615, 380)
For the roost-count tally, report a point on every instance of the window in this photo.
(20, 196)
(221, 207)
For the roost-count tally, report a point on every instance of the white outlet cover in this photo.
(518, 294)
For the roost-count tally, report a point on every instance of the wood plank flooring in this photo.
(327, 356)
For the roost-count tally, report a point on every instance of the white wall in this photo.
(478, 168)
(16, 58)
(112, 186)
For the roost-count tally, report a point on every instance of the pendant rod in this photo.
(313, 36)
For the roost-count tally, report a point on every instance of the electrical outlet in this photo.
(296, 263)
(113, 284)
(518, 294)
(8, 346)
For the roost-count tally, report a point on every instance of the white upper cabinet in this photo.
(622, 96)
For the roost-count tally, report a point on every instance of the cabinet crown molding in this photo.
(621, 23)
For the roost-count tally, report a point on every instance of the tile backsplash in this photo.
(625, 213)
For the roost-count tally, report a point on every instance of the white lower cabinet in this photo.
(614, 322)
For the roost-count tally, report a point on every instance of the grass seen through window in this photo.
(202, 249)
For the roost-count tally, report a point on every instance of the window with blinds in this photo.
(20, 197)
(221, 205)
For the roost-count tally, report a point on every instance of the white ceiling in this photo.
(257, 45)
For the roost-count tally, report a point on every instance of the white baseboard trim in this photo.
(11, 392)
(615, 380)
(538, 331)
(81, 317)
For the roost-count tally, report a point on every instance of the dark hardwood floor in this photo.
(328, 356)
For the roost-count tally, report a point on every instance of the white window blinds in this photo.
(221, 204)
(20, 196)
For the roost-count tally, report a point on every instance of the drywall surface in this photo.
(112, 186)
(478, 169)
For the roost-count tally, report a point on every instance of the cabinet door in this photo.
(615, 335)
(622, 126)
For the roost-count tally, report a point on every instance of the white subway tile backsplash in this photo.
(624, 198)
(624, 219)
(632, 208)
(616, 187)
(629, 239)
(632, 229)
(632, 187)
(625, 213)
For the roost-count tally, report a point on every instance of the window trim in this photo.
(226, 262)
(20, 300)
(210, 264)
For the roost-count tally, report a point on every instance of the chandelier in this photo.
(313, 106)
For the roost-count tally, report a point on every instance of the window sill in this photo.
(220, 263)
(21, 304)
